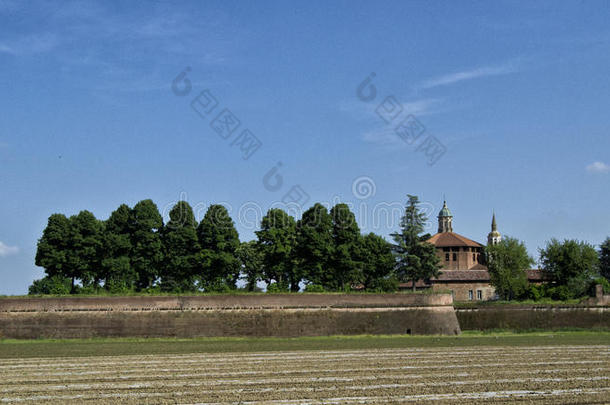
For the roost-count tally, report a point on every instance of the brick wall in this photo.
(225, 315)
(531, 317)
(461, 291)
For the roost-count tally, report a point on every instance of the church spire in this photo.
(445, 219)
(494, 236)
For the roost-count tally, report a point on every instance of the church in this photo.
(464, 272)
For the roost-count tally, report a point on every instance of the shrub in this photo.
(277, 288)
(600, 280)
(535, 292)
(385, 285)
(217, 285)
(55, 285)
(118, 287)
(314, 288)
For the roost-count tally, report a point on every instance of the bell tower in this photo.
(494, 237)
(444, 219)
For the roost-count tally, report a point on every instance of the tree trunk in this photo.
(414, 289)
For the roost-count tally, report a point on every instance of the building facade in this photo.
(464, 272)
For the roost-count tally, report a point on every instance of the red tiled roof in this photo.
(447, 239)
(463, 275)
(533, 275)
(418, 284)
(536, 275)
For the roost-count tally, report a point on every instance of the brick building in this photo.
(464, 272)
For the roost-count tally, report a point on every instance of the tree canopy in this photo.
(277, 240)
(417, 259)
(182, 251)
(604, 259)
(219, 242)
(571, 264)
(508, 262)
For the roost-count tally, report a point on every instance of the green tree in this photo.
(55, 285)
(508, 262)
(571, 264)
(417, 259)
(251, 261)
(219, 241)
(277, 240)
(182, 249)
(53, 248)
(604, 259)
(315, 244)
(146, 224)
(378, 261)
(345, 269)
(117, 272)
(86, 249)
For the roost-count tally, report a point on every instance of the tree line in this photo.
(324, 250)
(570, 269)
(134, 250)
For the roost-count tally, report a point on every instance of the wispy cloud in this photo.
(598, 167)
(384, 137)
(6, 250)
(29, 44)
(475, 73)
(384, 134)
(367, 111)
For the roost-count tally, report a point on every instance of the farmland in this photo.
(538, 368)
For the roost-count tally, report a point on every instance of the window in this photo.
(479, 295)
(446, 257)
(455, 257)
(470, 295)
(445, 249)
(474, 257)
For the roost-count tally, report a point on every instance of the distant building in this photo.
(464, 272)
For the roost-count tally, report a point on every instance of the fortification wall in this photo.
(533, 317)
(227, 315)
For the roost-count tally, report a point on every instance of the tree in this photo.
(85, 253)
(378, 261)
(72, 248)
(56, 285)
(277, 239)
(52, 250)
(117, 271)
(604, 259)
(146, 224)
(182, 249)
(251, 261)
(315, 244)
(345, 269)
(219, 241)
(571, 264)
(508, 262)
(417, 259)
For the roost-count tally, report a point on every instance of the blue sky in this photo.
(517, 94)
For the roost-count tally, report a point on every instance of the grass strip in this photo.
(150, 346)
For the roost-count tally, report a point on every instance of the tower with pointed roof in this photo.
(444, 219)
(494, 237)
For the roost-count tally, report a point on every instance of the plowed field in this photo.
(447, 375)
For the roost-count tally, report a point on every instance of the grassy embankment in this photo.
(204, 294)
(128, 346)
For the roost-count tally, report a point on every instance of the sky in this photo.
(495, 106)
